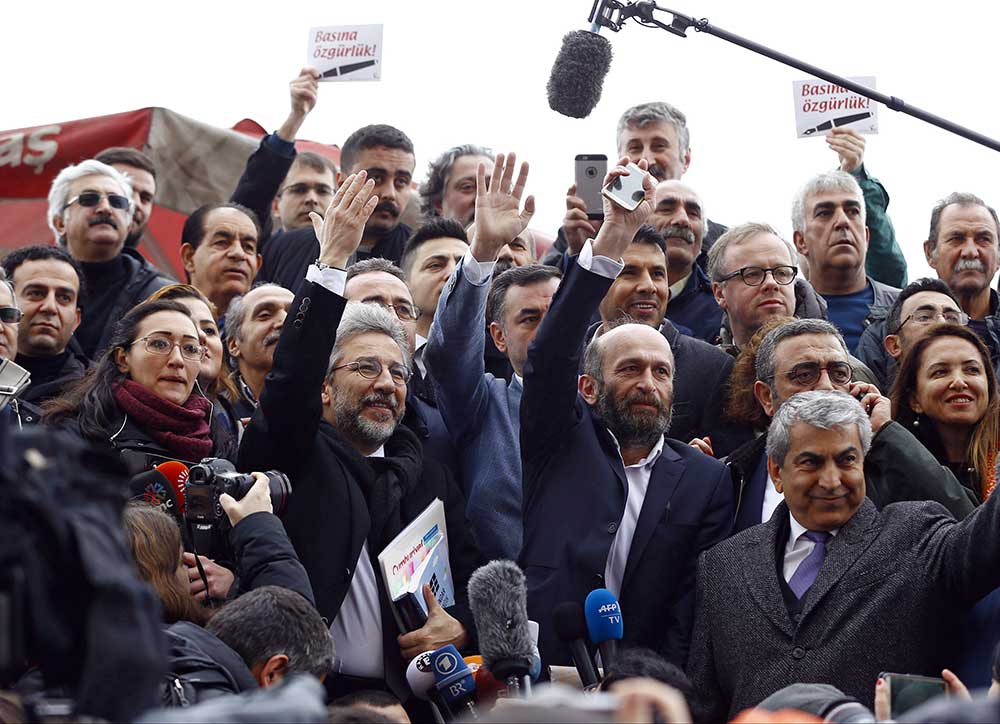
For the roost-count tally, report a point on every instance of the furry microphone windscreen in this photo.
(499, 602)
(574, 86)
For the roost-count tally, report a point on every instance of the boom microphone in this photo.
(499, 602)
(571, 628)
(574, 86)
(604, 623)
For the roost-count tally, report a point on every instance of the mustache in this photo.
(382, 398)
(103, 219)
(970, 265)
(501, 266)
(389, 206)
(272, 338)
(678, 232)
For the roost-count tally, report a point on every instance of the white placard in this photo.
(346, 52)
(820, 106)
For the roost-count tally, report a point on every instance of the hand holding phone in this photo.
(908, 691)
(627, 191)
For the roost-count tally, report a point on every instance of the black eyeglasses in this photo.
(807, 373)
(930, 315)
(93, 198)
(10, 315)
(162, 345)
(371, 368)
(303, 189)
(753, 276)
(404, 312)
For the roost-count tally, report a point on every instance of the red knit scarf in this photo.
(182, 429)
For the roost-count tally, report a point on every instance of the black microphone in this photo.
(499, 602)
(154, 488)
(571, 627)
(574, 86)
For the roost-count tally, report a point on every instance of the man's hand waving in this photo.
(340, 230)
(499, 218)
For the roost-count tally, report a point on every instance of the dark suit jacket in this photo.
(574, 495)
(327, 516)
(887, 599)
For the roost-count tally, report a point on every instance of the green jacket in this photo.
(885, 261)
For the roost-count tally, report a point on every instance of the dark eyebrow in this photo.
(165, 333)
(267, 304)
(844, 453)
(807, 456)
(439, 257)
(528, 310)
(39, 285)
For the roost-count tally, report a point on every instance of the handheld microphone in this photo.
(420, 679)
(604, 623)
(177, 474)
(574, 86)
(571, 627)
(454, 681)
(499, 602)
(154, 488)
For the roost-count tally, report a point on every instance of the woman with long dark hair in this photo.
(946, 394)
(140, 394)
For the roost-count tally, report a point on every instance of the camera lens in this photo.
(591, 171)
(638, 195)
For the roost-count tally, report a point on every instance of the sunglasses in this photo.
(93, 198)
(10, 315)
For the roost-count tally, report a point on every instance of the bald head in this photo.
(679, 215)
(623, 342)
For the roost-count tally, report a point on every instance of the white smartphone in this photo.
(627, 191)
(591, 168)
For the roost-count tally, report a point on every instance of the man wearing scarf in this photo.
(358, 476)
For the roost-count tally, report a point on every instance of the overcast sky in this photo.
(469, 71)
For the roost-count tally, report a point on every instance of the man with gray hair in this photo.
(658, 133)
(829, 221)
(807, 595)
(329, 417)
(90, 211)
(809, 355)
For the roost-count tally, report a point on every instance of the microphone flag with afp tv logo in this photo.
(604, 623)
(163, 487)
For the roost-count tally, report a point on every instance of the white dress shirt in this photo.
(798, 547)
(772, 498)
(357, 629)
(637, 476)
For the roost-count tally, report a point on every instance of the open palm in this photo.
(499, 217)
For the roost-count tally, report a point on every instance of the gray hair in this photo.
(825, 409)
(824, 183)
(10, 287)
(59, 191)
(738, 235)
(962, 199)
(432, 189)
(233, 323)
(767, 364)
(363, 317)
(373, 265)
(656, 112)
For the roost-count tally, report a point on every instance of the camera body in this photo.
(214, 476)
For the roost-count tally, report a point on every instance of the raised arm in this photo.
(269, 164)
(454, 352)
(283, 427)
(548, 406)
(885, 261)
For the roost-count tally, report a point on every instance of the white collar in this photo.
(647, 461)
(380, 453)
(797, 530)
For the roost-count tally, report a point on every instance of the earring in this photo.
(916, 422)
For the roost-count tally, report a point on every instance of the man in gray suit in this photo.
(481, 411)
(831, 589)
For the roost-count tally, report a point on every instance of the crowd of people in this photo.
(777, 455)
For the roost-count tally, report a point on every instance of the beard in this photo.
(632, 428)
(355, 426)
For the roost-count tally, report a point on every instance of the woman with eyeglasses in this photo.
(140, 394)
(212, 381)
(946, 395)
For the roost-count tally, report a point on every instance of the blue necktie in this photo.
(805, 574)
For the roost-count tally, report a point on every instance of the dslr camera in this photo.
(214, 476)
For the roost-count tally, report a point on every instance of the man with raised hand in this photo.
(480, 410)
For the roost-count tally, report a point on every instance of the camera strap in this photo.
(197, 559)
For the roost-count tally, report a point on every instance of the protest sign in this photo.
(820, 106)
(346, 52)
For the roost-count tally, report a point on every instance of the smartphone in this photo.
(907, 691)
(591, 168)
(627, 191)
